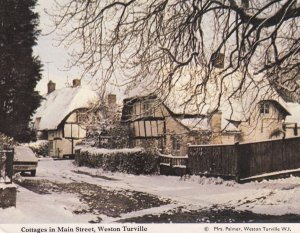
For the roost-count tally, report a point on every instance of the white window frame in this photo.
(265, 108)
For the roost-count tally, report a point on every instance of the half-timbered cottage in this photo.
(153, 124)
(61, 114)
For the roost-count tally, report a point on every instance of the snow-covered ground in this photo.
(276, 197)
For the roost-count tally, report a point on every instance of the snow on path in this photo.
(277, 197)
(35, 208)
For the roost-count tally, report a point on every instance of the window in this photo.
(81, 117)
(146, 106)
(265, 108)
(129, 110)
(175, 143)
(148, 109)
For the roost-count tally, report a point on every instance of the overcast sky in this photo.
(54, 58)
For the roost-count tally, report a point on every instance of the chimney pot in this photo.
(76, 82)
(51, 86)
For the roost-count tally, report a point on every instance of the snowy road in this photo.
(64, 193)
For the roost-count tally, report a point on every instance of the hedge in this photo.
(134, 161)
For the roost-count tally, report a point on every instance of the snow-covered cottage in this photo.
(153, 123)
(291, 125)
(267, 117)
(60, 115)
(266, 121)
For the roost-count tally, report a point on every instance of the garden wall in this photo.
(133, 161)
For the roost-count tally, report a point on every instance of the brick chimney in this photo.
(76, 82)
(111, 99)
(51, 87)
(216, 128)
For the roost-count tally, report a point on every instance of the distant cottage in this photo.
(266, 121)
(60, 115)
(270, 118)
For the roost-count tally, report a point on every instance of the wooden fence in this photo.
(244, 160)
(213, 160)
(269, 156)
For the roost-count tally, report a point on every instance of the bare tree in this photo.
(186, 44)
(102, 122)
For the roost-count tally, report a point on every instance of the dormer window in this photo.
(265, 108)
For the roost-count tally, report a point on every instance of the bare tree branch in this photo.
(160, 42)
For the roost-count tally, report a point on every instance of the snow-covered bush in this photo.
(103, 124)
(40, 147)
(202, 180)
(133, 161)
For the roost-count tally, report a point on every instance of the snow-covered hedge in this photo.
(40, 147)
(134, 161)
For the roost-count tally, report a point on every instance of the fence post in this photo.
(238, 163)
(9, 164)
(187, 170)
(78, 157)
(172, 172)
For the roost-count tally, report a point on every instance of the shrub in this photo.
(133, 161)
(40, 147)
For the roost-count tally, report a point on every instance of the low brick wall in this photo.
(8, 196)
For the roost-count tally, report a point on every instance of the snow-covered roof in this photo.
(227, 126)
(240, 111)
(234, 111)
(236, 107)
(196, 123)
(203, 124)
(294, 109)
(60, 103)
